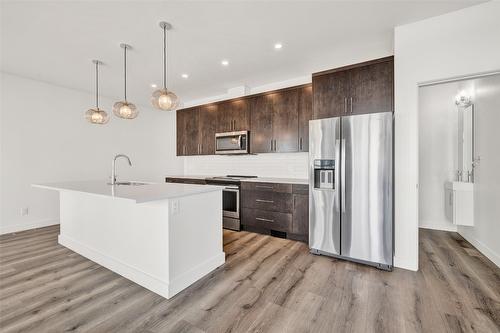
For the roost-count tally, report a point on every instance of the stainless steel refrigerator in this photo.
(351, 188)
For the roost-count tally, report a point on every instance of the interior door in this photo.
(367, 192)
(286, 121)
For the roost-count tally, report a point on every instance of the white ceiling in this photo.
(55, 41)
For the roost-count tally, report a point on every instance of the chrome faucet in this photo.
(113, 167)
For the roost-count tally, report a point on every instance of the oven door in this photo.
(231, 143)
(231, 202)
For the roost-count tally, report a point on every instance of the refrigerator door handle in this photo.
(342, 174)
(336, 178)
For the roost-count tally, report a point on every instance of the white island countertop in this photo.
(138, 193)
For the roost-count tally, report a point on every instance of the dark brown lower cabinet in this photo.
(276, 209)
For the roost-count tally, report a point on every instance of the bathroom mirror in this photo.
(466, 143)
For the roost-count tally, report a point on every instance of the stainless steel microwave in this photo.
(232, 143)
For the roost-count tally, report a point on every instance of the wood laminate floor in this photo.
(267, 285)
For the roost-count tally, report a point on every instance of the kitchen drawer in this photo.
(195, 181)
(270, 201)
(300, 189)
(266, 219)
(266, 187)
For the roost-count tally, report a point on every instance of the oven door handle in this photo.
(231, 189)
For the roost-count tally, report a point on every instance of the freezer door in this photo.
(367, 193)
(324, 203)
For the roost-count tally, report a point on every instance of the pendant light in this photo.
(124, 109)
(96, 115)
(163, 99)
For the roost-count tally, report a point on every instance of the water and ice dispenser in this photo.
(324, 174)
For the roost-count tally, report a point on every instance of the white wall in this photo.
(485, 233)
(438, 150)
(452, 45)
(45, 138)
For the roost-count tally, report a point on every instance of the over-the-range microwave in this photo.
(232, 143)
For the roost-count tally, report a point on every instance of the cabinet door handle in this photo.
(266, 201)
(345, 105)
(184, 150)
(351, 103)
(263, 186)
(300, 143)
(263, 219)
(271, 144)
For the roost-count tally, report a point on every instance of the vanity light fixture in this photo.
(463, 99)
(163, 99)
(96, 115)
(125, 109)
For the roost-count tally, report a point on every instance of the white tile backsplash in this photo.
(282, 165)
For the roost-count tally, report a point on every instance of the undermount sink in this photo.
(131, 183)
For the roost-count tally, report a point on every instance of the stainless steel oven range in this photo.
(230, 199)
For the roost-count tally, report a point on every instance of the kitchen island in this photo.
(163, 236)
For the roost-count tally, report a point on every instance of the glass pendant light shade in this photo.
(125, 110)
(97, 116)
(165, 100)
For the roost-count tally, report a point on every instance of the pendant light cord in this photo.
(97, 85)
(165, 57)
(125, 72)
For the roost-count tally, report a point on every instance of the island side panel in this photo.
(195, 244)
(128, 238)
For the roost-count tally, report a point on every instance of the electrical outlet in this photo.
(25, 211)
(175, 207)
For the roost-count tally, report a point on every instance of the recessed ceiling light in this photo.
(153, 85)
(278, 46)
(224, 62)
(185, 76)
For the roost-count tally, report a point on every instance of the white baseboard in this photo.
(157, 285)
(144, 279)
(186, 279)
(481, 247)
(443, 226)
(26, 226)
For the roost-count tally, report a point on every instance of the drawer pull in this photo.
(263, 219)
(263, 186)
(266, 201)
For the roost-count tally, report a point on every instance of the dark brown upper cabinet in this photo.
(367, 87)
(371, 88)
(286, 121)
(330, 93)
(233, 116)
(196, 130)
(274, 122)
(207, 129)
(261, 129)
(188, 131)
(305, 114)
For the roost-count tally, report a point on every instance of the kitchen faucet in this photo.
(113, 167)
